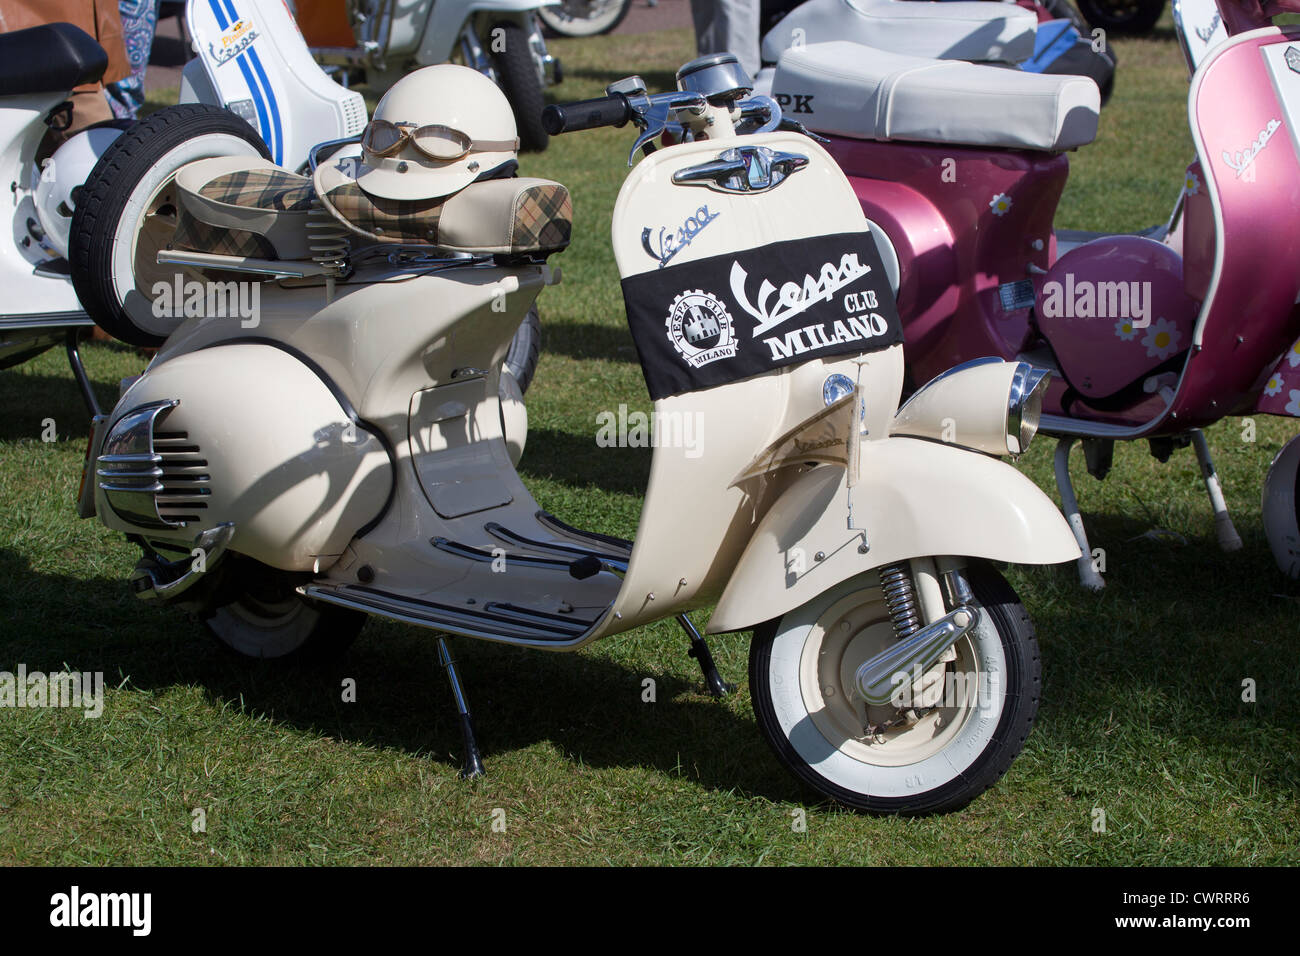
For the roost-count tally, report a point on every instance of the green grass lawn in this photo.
(1142, 712)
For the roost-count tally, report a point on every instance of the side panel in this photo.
(915, 498)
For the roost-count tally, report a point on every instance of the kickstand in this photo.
(700, 651)
(1089, 577)
(79, 373)
(473, 761)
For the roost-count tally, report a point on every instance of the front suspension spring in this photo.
(900, 599)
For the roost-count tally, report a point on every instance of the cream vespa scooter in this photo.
(346, 458)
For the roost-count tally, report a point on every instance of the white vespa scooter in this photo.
(346, 458)
(256, 65)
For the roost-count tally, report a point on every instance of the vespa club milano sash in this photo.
(717, 320)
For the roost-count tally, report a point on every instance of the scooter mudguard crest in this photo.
(914, 498)
(296, 494)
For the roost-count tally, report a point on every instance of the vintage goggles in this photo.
(442, 143)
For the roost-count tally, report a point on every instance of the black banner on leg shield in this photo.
(714, 321)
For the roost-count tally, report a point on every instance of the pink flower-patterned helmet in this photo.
(1117, 318)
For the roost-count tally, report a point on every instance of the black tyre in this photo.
(1122, 17)
(584, 18)
(800, 672)
(126, 212)
(525, 348)
(269, 620)
(520, 77)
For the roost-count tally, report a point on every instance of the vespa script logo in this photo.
(1244, 158)
(793, 299)
(667, 244)
(234, 41)
(1206, 32)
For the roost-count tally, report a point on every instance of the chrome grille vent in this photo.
(152, 478)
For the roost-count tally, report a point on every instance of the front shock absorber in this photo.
(900, 599)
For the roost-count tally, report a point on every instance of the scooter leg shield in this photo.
(248, 434)
(913, 498)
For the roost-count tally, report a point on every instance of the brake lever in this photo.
(652, 114)
(794, 126)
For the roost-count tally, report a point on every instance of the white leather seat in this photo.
(848, 89)
(999, 32)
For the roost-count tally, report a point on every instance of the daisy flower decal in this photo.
(1293, 406)
(1293, 355)
(1162, 339)
(1000, 204)
(1124, 329)
(1274, 385)
(1192, 184)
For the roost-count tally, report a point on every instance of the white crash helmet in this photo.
(59, 175)
(435, 131)
(1279, 509)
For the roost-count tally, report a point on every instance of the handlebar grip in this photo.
(612, 110)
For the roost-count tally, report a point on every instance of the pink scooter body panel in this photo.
(963, 221)
(1247, 153)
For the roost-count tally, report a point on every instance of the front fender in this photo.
(914, 498)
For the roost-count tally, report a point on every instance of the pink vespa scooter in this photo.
(959, 168)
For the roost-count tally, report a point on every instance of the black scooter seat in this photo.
(52, 58)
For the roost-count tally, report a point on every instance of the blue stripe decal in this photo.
(255, 92)
(278, 149)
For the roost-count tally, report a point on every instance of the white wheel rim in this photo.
(263, 629)
(812, 655)
(144, 200)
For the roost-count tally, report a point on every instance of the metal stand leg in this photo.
(700, 651)
(473, 761)
(79, 373)
(1088, 575)
(1229, 540)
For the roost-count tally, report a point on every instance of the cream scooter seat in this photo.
(856, 91)
(236, 206)
(999, 32)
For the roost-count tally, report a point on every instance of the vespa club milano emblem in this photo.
(701, 329)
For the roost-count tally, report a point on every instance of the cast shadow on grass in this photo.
(1158, 649)
(28, 399)
(576, 460)
(588, 707)
(587, 340)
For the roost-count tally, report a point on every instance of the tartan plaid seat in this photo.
(241, 206)
(249, 207)
(507, 216)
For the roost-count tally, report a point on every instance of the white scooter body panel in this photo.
(29, 299)
(253, 60)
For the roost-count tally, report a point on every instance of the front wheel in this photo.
(520, 75)
(926, 759)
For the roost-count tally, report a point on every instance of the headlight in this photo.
(985, 405)
(1025, 405)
